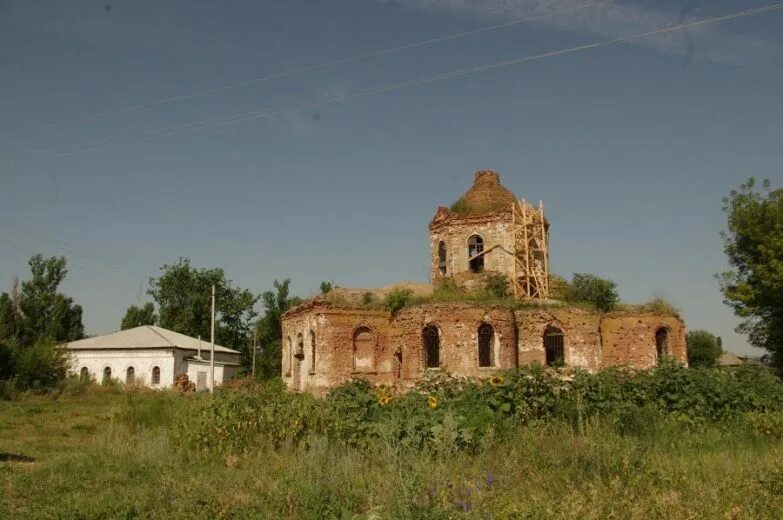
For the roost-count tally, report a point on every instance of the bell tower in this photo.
(489, 231)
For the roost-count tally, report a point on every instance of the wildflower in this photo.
(380, 386)
(496, 380)
(385, 400)
(432, 401)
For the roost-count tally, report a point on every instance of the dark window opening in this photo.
(554, 346)
(662, 342)
(155, 375)
(475, 256)
(442, 257)
(299, 347)
(312, 351)
(486, 340)
(107, 374)
(130, 376)
(84, 375)
(431, 341)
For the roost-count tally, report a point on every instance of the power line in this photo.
(71, 264)
(325, 65)
(269, 112)
(100, 259)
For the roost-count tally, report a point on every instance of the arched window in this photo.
(84, 375)
(662, 342)
(299, 346)
(312, 351)
(155, 375)
(475, 258)
(290, 355)
(130, 376)
(106, 374)
(431, 341)
(442, 257)
(554, 346)
(486, 343)
(363, 350)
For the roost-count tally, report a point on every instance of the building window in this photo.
(431, 340)
(554, 346)
(312, 351)
(475, 256)
(662, 342)
(290, 355)
(363, 350)
(442, 257)
(84, 375)
(130, 376)
(106, 375)
(155, 375)
(486, 342)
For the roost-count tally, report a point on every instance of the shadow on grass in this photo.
(13, 457)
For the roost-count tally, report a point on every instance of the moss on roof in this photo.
(486, 195)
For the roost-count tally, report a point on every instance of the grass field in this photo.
(111, 455)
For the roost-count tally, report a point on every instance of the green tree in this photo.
(753, 243)
(184, 298)
(138, 316)
(38, 312)
(326, 287)
(589, 288)
(703, 348)
(270, 328)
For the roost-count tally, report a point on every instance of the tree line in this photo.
(35, 316)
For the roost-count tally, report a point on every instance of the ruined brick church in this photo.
(488, 234)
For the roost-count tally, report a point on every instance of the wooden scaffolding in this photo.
(531, 251)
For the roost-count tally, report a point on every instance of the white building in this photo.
(150, 356)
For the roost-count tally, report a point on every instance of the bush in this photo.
(444, 413)
(703, 348)
(40, 367)
(588, 288)
(497, 285)
(397, 299)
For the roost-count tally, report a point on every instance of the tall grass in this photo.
(552, 453)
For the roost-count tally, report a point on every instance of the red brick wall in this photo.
(591, 340)
(629, 339)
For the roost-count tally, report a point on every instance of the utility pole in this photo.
(212, 355)
(255, 347)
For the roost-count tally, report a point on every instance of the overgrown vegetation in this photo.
(33, 321)
(670, 442)
(753, 244)
(590, 289)
(704, 348)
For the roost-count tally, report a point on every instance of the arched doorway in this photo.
(298, 357)
(430, 339)
(661, 343)
(486, 344)
(554, 346)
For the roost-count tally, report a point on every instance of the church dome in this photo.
(486, 195)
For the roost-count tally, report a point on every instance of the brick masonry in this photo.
(591, 341)
(326, 343)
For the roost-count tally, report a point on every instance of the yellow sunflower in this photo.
(432, 401)
(496, 380)
(385, 400)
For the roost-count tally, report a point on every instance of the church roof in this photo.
(486, 195)
(144, 337)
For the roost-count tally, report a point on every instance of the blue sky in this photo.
(631, 146)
